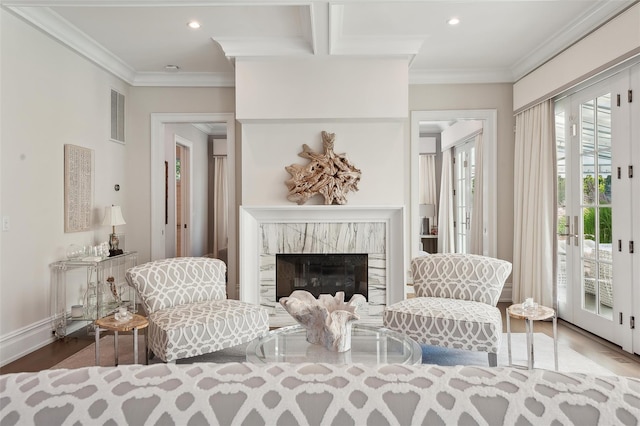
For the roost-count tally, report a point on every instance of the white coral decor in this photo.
(327, 319)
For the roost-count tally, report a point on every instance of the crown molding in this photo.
(212, 129)
(62, 30)
(453, 76)
(264, 46)
(592, 19)
(184, 79)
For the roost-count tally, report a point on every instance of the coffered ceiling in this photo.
(495, 41)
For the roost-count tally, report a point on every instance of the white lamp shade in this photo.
(427, 210)
(113, 216)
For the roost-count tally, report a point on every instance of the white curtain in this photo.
(477, 220)
(534, 205)
(427, 176)
(446, 236)
(220, 207)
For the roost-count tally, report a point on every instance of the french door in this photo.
(464, 178)
(595, 280)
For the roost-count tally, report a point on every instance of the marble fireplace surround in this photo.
(257, 256)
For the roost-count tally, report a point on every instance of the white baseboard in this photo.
(23, 341)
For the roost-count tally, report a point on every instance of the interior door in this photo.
(464, 178)
(591, 136)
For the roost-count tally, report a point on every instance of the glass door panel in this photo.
(595, 162)
(464, 175)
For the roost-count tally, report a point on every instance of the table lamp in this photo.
(426, 211)
(113, 217)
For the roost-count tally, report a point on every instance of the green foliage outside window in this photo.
(589, 224)
(589, 213)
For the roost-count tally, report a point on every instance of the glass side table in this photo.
(103, 283)
(540, 313)
(369, 345)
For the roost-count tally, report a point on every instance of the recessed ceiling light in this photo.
(453, 21)
(194, 25)
(171, 68)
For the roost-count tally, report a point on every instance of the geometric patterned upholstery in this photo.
(315, 394)
(185, 301)
(455, 303)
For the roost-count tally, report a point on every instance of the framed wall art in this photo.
(78, 188)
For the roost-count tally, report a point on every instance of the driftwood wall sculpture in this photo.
(328, 174)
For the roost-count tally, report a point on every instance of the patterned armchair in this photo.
(188, 310)
(455, 303)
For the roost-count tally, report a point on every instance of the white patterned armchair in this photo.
(455, 303)
(188, 310)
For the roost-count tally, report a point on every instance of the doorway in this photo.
(158, 156)
(488, 155)
(595, 205)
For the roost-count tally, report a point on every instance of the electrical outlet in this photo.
(5, 223)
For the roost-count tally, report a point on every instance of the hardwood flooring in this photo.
(599, 350)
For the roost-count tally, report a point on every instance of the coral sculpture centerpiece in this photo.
(327, 319)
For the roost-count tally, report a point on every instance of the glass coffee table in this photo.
(369, 345)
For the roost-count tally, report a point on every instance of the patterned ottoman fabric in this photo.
(459, 324)
(315, 394)
(189, 313)
(203, 327)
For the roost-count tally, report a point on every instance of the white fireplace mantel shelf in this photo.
(251, 218)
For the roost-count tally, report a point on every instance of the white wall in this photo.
(50, 97)
(377, 149)
(321, 88)
(428, 145)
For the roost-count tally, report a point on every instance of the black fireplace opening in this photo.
(320, 273)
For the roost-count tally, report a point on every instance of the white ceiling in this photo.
(496, 41)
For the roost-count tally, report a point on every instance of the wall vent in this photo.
(117, 116)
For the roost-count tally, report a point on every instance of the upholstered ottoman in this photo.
(189, 330)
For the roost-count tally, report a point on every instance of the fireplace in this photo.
(322, 273)
(268, 231)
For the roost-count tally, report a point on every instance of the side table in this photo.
(529, 316)
(136, 323)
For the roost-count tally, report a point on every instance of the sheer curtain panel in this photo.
(427, 176)
(220, 202)
(534, 205)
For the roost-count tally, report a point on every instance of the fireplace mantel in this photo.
(252, 217)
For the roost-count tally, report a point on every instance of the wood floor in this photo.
(601, 351)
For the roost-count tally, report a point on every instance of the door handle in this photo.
(570, 234)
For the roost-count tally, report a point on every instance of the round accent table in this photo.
(135, 323)
(540, 313)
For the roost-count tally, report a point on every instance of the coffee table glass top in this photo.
(369, 345)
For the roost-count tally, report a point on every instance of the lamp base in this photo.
(425, 226)
(116, 252)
